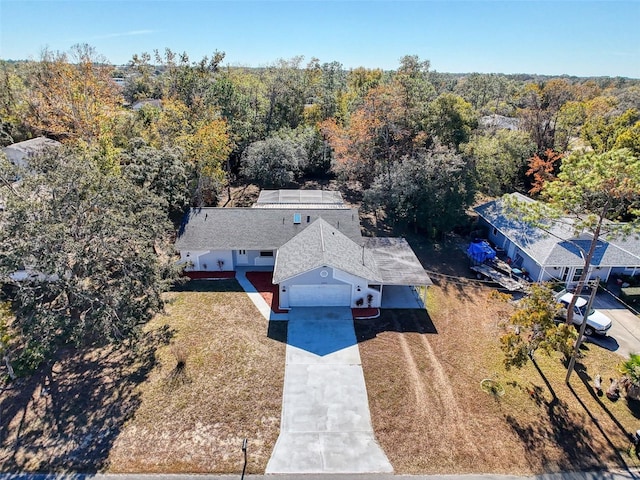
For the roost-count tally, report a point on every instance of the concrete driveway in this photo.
(396, 296)
(326, 424)
(624, 335)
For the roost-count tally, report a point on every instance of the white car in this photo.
(597, 322)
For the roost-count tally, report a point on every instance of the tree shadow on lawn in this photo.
(634, 406)
(560, 427)
(67, 415)
(395, 320)
(220, 285)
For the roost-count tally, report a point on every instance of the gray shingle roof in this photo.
(559, 245)
(321, 244)
(257, 229)
(396, 262)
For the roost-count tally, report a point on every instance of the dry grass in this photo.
(430, 415)
(210, 373)
(67, 415)
(218, 382)
(202, 378)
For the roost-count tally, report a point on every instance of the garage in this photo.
(320, 295)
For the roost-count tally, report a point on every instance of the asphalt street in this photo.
(602, 475)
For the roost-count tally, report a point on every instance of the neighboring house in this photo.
(119, 81)
(152, 102)
(316, 250)
(557, 253)
(499, 122)
(19, 153)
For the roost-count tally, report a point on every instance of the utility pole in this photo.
(244, 450)
(583, 327)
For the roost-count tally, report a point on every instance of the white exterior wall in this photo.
(262, 261)
(555, 273)
(549, 273)
(333, 277)
(207, 260)
(190, 258)
(360, 289)
(253, 258)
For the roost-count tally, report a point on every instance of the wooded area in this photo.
(277, 124)
(145, 140)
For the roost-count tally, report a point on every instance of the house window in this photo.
(495, 231)
(266, 253)
(242, 252)
(577, 274)
(565, 274)
(518, 261)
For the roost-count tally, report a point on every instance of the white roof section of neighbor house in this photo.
(17, 152)
(324, 199)
(559, 245)
(396, 262)
(322, 245)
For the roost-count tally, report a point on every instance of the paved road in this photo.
(624, 336)
(626, 475)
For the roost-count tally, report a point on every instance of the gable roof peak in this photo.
(320, 244)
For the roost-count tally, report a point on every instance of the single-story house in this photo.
(557, 252)
(318, 254)
(18, 153)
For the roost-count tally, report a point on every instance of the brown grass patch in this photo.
(203, 377)
(423, 377)
(67, 415)
(219, 382)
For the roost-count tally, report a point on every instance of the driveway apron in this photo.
(624, 336)
(326, 424)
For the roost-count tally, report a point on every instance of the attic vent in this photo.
(297, 218)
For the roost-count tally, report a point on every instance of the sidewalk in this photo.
(548, 476)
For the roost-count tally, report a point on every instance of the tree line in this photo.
(457, 135)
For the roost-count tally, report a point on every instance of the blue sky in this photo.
(576, 37)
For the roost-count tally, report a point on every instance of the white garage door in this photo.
(320, 295)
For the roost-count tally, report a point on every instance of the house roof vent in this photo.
(297, 218)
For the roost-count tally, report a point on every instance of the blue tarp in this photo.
(480, 251)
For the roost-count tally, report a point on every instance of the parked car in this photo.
(597, 322)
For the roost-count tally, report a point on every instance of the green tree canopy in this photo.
(500, 160)
(451, 119)
(165, 172)
(274, 162)
(95, 249)
(534, 329)
(429, 191)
